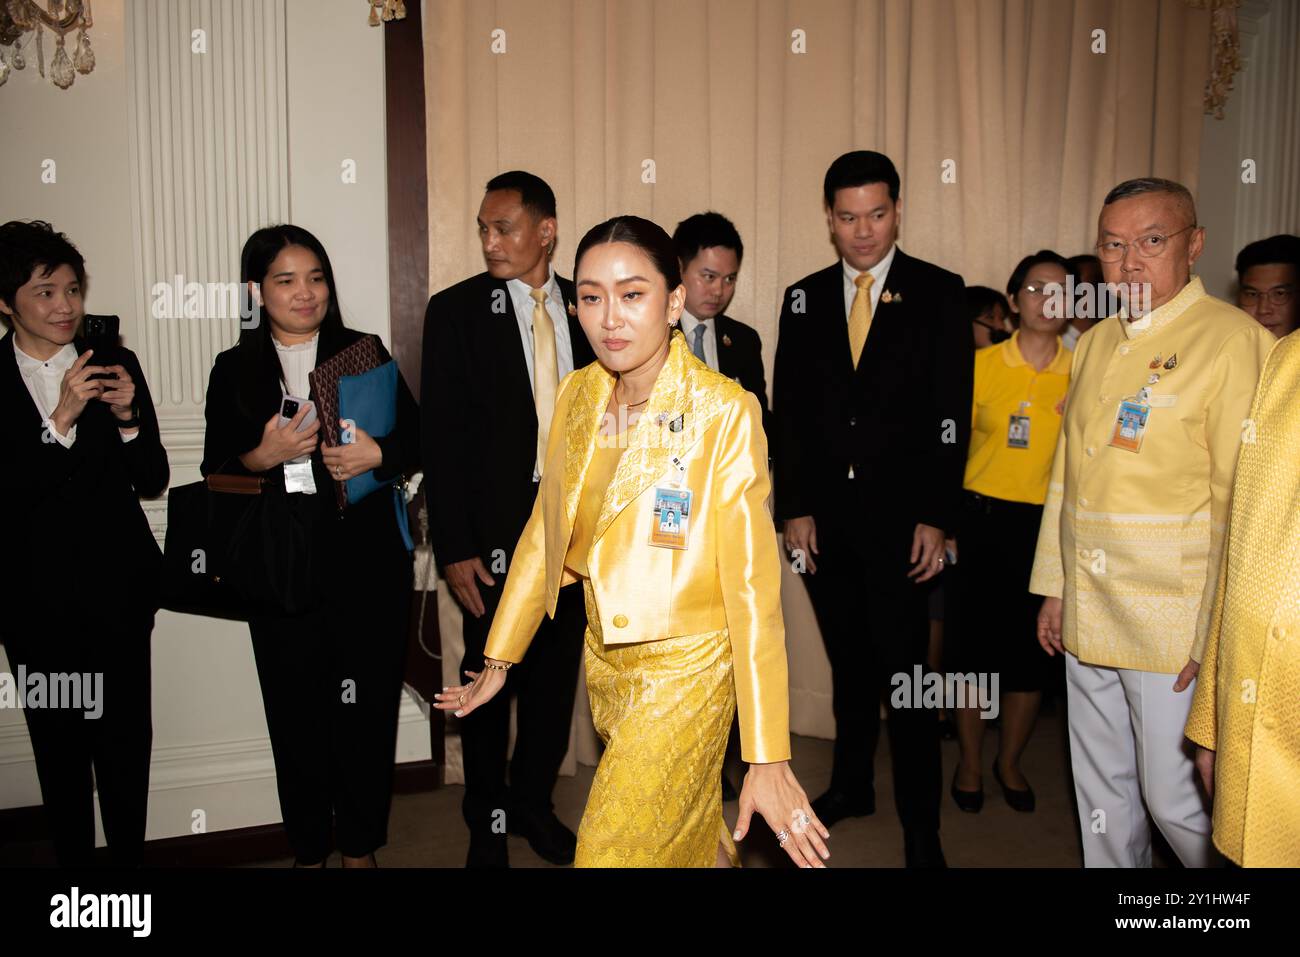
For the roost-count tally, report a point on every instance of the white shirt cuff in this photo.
(64, 440)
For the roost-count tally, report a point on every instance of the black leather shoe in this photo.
(546, 834)
(728, 791)
(1019, 800)
(488, 850)
(972, 802)
(834, 806)
(921, 849)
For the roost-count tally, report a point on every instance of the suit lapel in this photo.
(508, 344)
(15, 387)
(681, 408)
(581, 427)
(583, 354)
(726, 354)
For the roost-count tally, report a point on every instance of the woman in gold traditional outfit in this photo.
(654, 496)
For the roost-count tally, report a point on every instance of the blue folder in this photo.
(370, 400)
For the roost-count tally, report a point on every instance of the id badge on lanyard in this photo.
(670, 525)
(1018, 428)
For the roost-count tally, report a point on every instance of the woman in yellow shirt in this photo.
(1020, 387)
(654, 495)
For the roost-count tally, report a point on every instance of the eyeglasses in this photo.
(1148, 247)
(1278, 295)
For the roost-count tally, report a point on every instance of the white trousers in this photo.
(1130, 757)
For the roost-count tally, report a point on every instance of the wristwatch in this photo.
(132, 422)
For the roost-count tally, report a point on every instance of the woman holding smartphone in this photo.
(331, 675)
(79, 568)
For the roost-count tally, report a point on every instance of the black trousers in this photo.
(874, 621)
(544, 684)
(77, 755)
(331, 685)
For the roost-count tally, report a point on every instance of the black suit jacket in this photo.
(480, 421)
(901, 419)
(740, 357)
(370, 556)
(77, 543)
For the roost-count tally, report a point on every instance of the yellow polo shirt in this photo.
(1131, 541)
(1005, 386)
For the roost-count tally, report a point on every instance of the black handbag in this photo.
(236, 547)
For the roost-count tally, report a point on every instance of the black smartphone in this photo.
(102, 334)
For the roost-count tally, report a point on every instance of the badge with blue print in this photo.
(1131, 423)
(672, 515)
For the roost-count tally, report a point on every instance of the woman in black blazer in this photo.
(80, 566)
(331, 676)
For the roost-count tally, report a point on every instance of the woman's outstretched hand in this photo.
(463, 699)
(773, 791)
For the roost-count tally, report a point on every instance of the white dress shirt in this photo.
(523, 303)
(44, 381)
(297, 361)
(689, 323)
(520, 296)
(880, 271)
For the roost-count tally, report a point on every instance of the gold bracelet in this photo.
(495, 667)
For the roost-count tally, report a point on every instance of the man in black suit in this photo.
(872, 399)
(710, 251)
(80, 567)
(495, 347)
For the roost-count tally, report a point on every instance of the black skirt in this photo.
(991, 622)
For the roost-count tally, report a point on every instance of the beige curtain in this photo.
(1007, 127)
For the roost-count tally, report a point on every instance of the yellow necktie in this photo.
(546, 376)
(860, 316)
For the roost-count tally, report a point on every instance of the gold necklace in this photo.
(629, 405)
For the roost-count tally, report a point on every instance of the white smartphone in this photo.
(289, 408)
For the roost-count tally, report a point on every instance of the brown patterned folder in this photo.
(361, 356)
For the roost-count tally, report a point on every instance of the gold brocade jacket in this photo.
(1247, 702)
(1131, 541)
(699, 431)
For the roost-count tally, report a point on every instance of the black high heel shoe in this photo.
(1019, 800)
(972, 802)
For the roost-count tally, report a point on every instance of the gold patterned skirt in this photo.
(664, 710)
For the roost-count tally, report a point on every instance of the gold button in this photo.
(1269, 723)
(1279, 634)
(1083, 502)
(1091, 451)
(620, 621)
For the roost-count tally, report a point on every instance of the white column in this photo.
(208, 138)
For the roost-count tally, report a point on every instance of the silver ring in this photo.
(783, 837)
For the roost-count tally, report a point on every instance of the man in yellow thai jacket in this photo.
(1133, 526)
(1246, 711)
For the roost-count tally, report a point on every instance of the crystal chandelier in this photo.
(381, 11)
(19, 18)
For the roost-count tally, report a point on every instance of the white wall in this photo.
(1261, 124)
(211, 751)
(336, 114)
